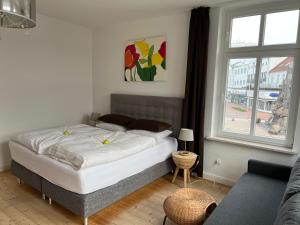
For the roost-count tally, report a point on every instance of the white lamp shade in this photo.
(186, 134)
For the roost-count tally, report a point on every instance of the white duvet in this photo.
(40, 140)
(83, 146)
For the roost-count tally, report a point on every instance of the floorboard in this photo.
(22, 205)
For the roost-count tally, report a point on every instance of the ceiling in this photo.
(97, 13)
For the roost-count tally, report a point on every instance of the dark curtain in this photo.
(194, 101)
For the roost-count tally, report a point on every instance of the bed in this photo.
(86, 191)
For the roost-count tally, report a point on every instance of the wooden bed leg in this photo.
(43, 196)
(19, 180)
(85, 221)
(50, 201)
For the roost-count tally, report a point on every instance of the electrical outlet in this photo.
(218, 162)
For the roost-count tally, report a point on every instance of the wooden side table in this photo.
(184, 160)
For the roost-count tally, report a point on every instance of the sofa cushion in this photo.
(289, 213)
(254, 200)
(293, 185)
(273, 170)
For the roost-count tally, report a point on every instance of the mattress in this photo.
(88, 180)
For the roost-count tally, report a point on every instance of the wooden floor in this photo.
(22, 205)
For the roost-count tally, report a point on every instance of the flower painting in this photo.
(145, 60)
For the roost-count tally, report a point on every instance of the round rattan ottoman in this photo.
(188, 206)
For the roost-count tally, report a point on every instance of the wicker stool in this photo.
(189, 206)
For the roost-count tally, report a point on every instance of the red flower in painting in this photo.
(131, 57)
(162, 50)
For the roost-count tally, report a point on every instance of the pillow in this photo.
(150, 125)
(111, 127)
(293, 185)
(93, 119)
(116, 119)
(94, 116)
(289, 213)
(157, 135)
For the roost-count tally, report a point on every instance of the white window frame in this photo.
(259, 52)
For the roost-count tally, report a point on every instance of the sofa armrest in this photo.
(277, 171)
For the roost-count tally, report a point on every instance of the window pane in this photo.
(274, 94)
(245, 31)
(239, 95)
(281, 28)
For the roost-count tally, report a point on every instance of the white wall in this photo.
(108, 58)
(233, 158)
(45, 78)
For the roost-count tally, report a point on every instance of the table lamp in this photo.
(186, 135)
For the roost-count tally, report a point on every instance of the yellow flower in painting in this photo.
(157, 59)
(145, 65)
(144, 47)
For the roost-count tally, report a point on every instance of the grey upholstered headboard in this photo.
(166, 109)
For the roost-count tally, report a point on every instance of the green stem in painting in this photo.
(131, 78)
(135, 74)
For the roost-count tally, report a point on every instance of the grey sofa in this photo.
(268, 194)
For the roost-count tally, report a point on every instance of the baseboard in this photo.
(4, 167)
(219, 179)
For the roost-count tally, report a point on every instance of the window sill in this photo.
(266, 147)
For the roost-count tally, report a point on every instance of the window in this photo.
(251, 34)
(261, 87)
(281, 28)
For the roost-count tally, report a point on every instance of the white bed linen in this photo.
(82, 145)
(85, 152)
(91, 179)
(40, 140)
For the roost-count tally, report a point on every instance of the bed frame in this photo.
(165, 109)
